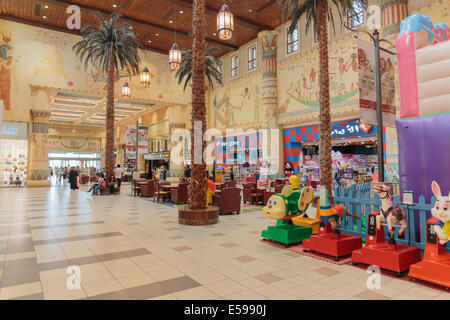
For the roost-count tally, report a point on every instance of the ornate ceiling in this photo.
(153, 20)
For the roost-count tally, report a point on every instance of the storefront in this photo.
(83, 160)
(354, 151)
(239, 157)
(154, 161)
(13, 153)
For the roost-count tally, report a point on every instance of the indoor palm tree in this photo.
(213, 68)
(197, 199)
(318, 13)
(111, 48)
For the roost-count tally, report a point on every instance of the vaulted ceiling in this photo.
(153, 20)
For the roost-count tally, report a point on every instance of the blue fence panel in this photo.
(356, 199)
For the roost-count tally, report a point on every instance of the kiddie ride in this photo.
(283, 207)
(435, 265)
(377, 251)
(329, 240)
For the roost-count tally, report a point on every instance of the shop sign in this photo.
(157, 156)
(13, 130)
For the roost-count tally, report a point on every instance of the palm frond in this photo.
(213, 68)
(99, 43)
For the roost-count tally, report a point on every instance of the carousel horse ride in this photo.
(283, 207)
(435, 265)
(377, 251)
(329, 240)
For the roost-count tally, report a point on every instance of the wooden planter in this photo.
(198, 217)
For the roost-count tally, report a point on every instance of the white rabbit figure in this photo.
(441, 210)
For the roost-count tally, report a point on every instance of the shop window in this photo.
(355, 16)
(292, 40)
(235, 66)
(251, 57)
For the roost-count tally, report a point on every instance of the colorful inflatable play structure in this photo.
(423, 131)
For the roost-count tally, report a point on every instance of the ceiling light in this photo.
(170, 21)
(45, 17)
(250, 10)
(181, 11)
(225, 23)
(149, 40)
(157, 34)
(115, 5)
(214, 34)
(46, 6)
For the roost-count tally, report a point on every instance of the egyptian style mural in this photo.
(39, 57)
(6, 64)
(236, 104)
(298, 81)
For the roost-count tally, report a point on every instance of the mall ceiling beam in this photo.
(65, 30)
(142, 23)
(209, 10)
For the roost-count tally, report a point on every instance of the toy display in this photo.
(435, 265)
(288, 170)
(329, 241)
(283, 207)
(377, 251)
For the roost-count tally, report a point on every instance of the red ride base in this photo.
(435, 265)
(329, 243)
(377, 252)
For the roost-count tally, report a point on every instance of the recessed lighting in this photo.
(250, 10)
(149, 40)
(157, 34)
(46, 6)
(181, 11)
(115, 5)
(45, 17)
(214, 34)
(170, 21)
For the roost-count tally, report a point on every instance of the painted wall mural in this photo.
(6, 60)
(236, 104)
(35, 56)
(298, 81)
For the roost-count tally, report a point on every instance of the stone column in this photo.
(270, 90)
(38, 150)
(392, 13)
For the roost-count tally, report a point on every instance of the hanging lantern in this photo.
(175, 57)
(225, 23)
(145, 78)
(126, 92)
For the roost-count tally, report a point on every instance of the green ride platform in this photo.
(287, 233)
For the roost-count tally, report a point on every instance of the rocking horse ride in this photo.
(435, 265)
(329, 240)
(377, 251)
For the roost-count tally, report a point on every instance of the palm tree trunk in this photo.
(198, 186)
(325, 117)
(109, 154)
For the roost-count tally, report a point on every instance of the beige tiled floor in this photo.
(133, 248)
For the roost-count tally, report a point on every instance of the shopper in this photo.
(118, 174)
(73, 175)
(211, 188)
(101, 185)
(187, 171)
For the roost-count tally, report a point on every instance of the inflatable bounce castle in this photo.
(423, 51)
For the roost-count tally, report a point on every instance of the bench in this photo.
(106, 191)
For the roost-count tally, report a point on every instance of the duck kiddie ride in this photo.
(377, 251)
(283, 207)
(435, 265)
(329, 240)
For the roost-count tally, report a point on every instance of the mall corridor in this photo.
(133, 248)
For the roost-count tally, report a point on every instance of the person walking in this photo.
(118, 174)
(73, 179)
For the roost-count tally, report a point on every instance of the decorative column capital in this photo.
(269, 43)
(392, 13)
